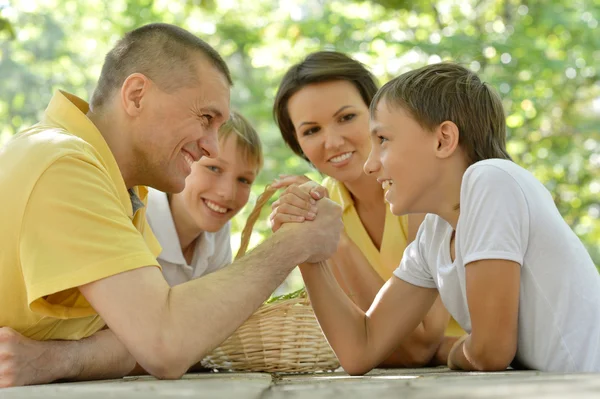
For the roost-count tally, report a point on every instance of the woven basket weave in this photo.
(281, 336)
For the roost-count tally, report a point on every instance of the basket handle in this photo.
(247, 232)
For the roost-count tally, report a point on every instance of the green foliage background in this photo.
(543, 57)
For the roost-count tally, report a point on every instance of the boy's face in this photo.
(403, 159)
(217, 188)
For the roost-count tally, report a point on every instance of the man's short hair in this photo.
(162, 52)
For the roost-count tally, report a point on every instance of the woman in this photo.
(322, 110)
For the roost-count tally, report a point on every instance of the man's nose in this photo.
(209, 144)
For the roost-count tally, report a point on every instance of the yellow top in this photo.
(395, 238)
(67, 220)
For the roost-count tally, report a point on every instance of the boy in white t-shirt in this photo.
(493, 245)
(193, 226)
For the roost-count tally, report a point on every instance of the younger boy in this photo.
(193, 226)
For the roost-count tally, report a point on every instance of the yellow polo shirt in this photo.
(395, 238)
(66, 219)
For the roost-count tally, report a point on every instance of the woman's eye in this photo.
(310, 131)
(215, 169)
(347, 117)
(381, 139)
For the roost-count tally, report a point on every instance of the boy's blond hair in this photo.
(246, 138)
(449, 92)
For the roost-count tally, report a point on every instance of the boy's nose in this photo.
(226, 189)
(372, 165)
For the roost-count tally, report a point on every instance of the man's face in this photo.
(178, 128)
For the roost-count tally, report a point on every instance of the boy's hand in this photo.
(297, 204)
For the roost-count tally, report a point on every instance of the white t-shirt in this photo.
(212, 252)
(506, 213)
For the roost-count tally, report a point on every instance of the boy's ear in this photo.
(447, 136)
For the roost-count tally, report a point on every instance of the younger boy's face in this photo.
(218, 188)
(402, 157)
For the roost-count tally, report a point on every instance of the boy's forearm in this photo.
(342, 321)
(362, 284)
(468, 355)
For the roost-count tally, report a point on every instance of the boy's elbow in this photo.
(493, 357)
(355, 369)
(492, 363)
(355, 365)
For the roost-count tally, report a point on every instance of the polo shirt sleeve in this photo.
(75, 231)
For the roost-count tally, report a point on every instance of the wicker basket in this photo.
(281, 336)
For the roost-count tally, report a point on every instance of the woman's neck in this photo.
(366, 191)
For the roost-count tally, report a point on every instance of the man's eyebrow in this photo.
(213, 111)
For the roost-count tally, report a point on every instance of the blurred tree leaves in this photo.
(542, 56)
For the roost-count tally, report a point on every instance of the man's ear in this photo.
(447, 137)
(132, 91)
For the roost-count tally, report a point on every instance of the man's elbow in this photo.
(164, 362)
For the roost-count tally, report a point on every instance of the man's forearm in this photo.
(28, 362)
(214, 306)
(101, 356)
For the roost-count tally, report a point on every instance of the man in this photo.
(78, 254)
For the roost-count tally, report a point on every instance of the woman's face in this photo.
(331, 122)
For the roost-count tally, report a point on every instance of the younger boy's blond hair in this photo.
(246, 138)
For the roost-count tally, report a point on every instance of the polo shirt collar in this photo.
(345, 199)
(163, 226)
(70, 112)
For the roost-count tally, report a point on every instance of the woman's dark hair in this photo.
(319, 67)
